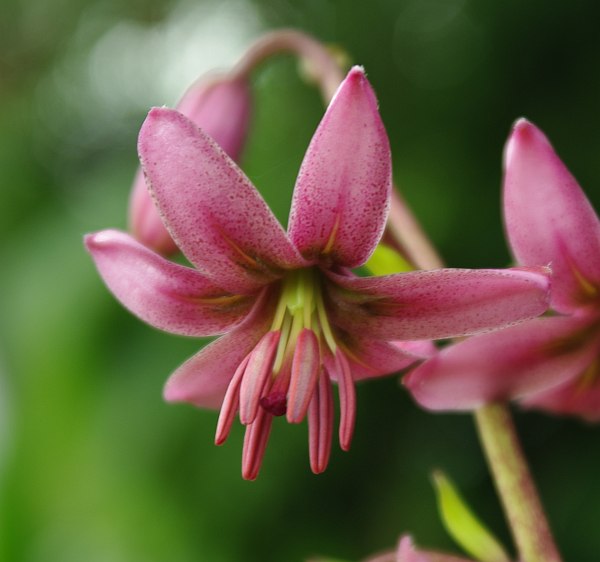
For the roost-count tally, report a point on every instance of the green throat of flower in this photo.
(300, 306)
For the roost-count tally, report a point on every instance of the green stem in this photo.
(515, 485)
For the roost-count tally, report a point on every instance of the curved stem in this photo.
(515, 485)
(408, 235)
(326, 70)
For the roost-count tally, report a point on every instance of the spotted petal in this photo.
(436, 304)
(341, 198)
(166, 295)
(213, 212)
(548, 218)
(499, 366)
(203, 379)
(370, 358)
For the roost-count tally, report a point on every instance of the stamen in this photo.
(347, 400)
(305, 372)
(324, 321)
(320, 424)
(255, 443)
(257, 375)
(283, 341)
(230, 404)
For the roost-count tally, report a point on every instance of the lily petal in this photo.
(370, 358)
(341, 198)
(528, 358)
(166, 295)
(220, 106)
(579, 396)
(213, 212)
(436, 304)
(549, 219)
(203, 379)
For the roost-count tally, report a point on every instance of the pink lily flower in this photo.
(550, 363)
(293, 316)
(407, 552)
(221, 106)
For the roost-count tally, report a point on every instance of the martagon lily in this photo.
(293, 315)
(551, 363)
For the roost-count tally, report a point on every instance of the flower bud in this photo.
(219, 106)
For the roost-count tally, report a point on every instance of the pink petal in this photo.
(145, 222)
(203, 379)
(408, 553)
(548, 218)
(436, 304)
(168, 296)
(222, 108)
(215, 215)
(341, 198)
(579, 396)
(510, 363)
(369, 358)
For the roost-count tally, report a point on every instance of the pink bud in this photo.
(219, 106)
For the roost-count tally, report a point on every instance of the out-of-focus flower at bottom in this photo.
(407, 552)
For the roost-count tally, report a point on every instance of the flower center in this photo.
(300, 307)
(289, 372)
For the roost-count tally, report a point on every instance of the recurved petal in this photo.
(203, 379)
(166, 295)
(341, 198)
(370, 358)
(436, 304)
(579, 396)
(549, 219)
(522, 360)
(213, 212)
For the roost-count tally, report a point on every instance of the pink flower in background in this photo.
(293, 316)
(221, 106)
(406, 552)
(550, 363)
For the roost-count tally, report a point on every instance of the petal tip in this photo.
(172, 393)
(99, 240)
(524, 135)
(357, 72)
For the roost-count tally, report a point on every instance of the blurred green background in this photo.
(93, 465)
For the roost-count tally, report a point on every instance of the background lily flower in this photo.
(551, 362)
(407, 552)
(221, 106)
(293, 316)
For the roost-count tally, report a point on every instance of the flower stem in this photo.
(328, 73)
(408, 235)
(515, 485)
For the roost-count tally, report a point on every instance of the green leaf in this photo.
(463, 526)
(386, 260)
